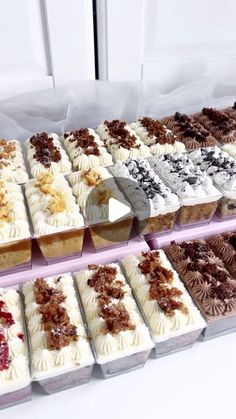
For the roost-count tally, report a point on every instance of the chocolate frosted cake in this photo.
(14, 361)
(222, 170)
(198, 196)
(148, 194)
(58, 338)
(157, 136)
(116, 325)
(86, 149)
(224, 245)
(189, 131)
(230, 111)
(218, 123)
(12, 166)
(209, 283)
(161, 294)
(46, 155)
(122, 141)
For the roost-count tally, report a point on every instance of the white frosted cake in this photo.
(112, 315)
(167, 306)
(230, 149)
(46, 155)
(14, 360)
(86, 149)
(12, 166)
(121, 141)
(57, 335)
(157, 136)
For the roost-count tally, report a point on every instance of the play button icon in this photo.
(117, 210)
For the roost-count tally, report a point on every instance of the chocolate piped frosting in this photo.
(224, 245)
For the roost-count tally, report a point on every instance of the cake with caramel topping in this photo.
(46, 155)
(157, 136)
(12, 166)
(210, 284)
(86, 149)
(112, 315)
(58, 338)
(121, 140)
(166, 304)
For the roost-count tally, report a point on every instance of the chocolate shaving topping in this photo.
(160, 288)
(83, 139)
(158, 130)
(45, 150)
(55, 320)
(190, 128)
(220, 120)
(116, 317)
(120, 135)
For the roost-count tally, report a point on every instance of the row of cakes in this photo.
(121, 312)
(117, 140)
(60, 207)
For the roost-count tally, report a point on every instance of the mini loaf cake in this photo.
(224, 245)
(157, 136)
(52, 205)
(121, 141)
(218, 123)
(86, 150)
(93, 188)
(12, 166)
(112, 314)
(222, 170)
(189, 131)
(15, 248)
(210, 284)
(230, 149)
(166, 304)
(46, 155)
(14, 361)
(57, 335)
(150, 197)
(230, 111)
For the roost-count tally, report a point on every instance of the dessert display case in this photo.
(199, 198)
(57, 223)
(93, 189)
(154, 204)
(174, 321)
(15, 380)
(15, 235)
(121, 340)
(61, 356)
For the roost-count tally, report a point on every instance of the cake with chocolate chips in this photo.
(14, 360)
(121, 140)
(58, 338)
(196, 192)
(46, 155)
(218, 123)
(15, 237)
(117, 328)
(222, 169)
(167, 306)
(154, 203)
(12, 166)
(93, 189)
(189, 131)
(157, 136)
(86, 149)
(210, 284)
(57, 221)
(224, 245)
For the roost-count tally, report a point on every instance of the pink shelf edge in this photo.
(196, 232)
(89, 256)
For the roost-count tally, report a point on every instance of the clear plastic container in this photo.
(157, 224)
(219, 327)
(15, 256)
(227, 205)
(109, 234)
(198, 211)
(16, 397)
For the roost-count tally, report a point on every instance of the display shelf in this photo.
(196, 232)
(40, 268)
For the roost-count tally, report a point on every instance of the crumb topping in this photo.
(45, 150)
(58, 201)
(157, 129)
(6, 208)
(91, 177)
(83, 139)
(6, 321)
(220, 120)
(7, 152)
(120, 135)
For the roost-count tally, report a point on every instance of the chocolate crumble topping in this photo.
(45, 150)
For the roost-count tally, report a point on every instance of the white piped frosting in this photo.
(48, 362)
(162, 325)
(12, 166)
(17, 375)
(230, 149)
